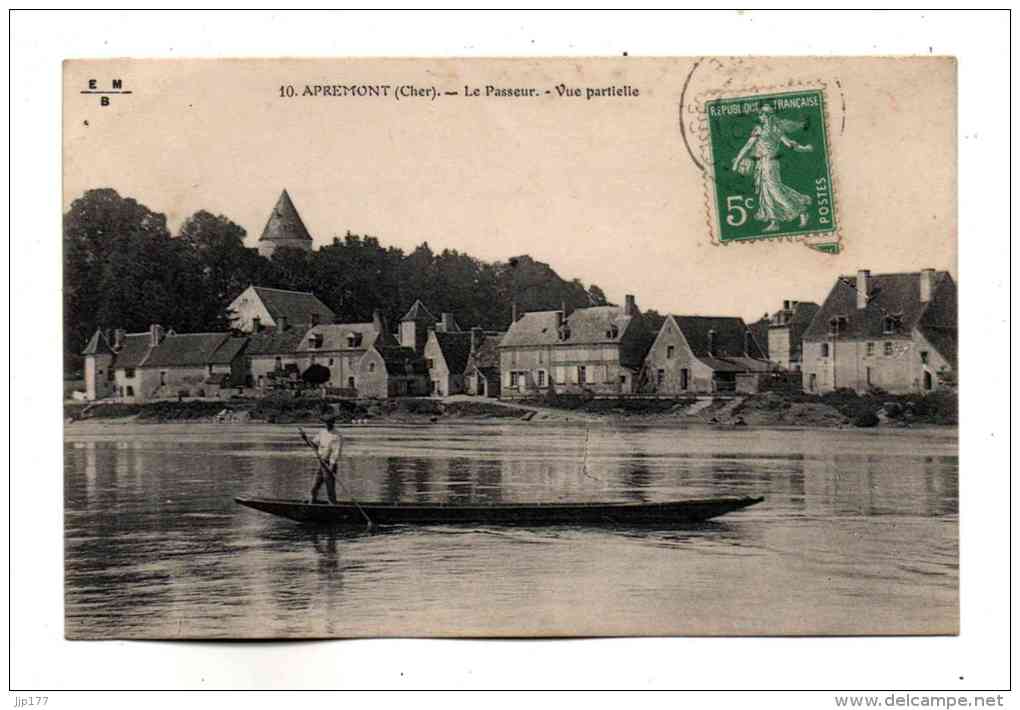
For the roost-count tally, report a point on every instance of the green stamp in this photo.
(770, 166)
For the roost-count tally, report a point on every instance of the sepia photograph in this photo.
(533, 347)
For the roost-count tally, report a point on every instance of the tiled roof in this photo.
(418, 312)
(186, 350)
(296, 306)
(275, 341)
(134, 350)
(897, 295)
(334, 337)
(98, 345)
(284, 222)
(586, 325)
(729, 336)
(402, 361)
(228, 351)
(455, 348)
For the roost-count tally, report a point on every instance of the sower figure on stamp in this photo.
(776, 202)
(328, 446)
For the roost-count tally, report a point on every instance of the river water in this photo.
(858, 533)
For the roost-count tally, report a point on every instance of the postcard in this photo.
(604, 346)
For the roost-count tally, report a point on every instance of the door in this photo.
(928, 383)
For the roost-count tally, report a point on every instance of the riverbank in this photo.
(833, 410)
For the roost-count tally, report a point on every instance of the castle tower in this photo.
(414, 327)
(284, 229)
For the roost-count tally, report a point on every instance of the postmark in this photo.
(769, 166)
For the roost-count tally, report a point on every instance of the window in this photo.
(871, 349)
(924, 357)
(837, 325)
(350, 382)
(129, 372)
(110, 375)
(278, 364)
(315, 341)
(660, 377)
(541, 378)
(670, 349)
(887, 348)
(514, 379)
(891, 324)
(812, 381)
(582, 374)
(130, 391)
(825, 350)
(162, 378)
(430, 363)
(331, 362)
(684, 378)
(210, 368)
(371, 367)
(613, 333)
(867, 376)
(541, 357)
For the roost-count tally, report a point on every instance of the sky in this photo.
(604, 189)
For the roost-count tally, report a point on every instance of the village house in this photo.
(135, 367)
(446, 356)
(596, 350)
(364, 359)
(259, 307)
(786, 333)
(193, 365)
(481, 375)
(895, 332)
(704, 355)
(272, 354)
(284, 228)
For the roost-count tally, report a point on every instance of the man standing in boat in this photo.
(328, 446)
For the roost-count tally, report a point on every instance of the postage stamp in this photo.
(769, 173)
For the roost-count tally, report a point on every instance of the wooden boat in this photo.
(528, 514)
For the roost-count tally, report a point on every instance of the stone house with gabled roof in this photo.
(704, 355)
(597, 350)
(259, 307)
(135, 367)
(272, 353)
(895, 332)
(446, 357)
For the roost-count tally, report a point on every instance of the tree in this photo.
(104, 234)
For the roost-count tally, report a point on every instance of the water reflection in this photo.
(156, 547)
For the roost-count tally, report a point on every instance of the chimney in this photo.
(476, 333)
(315, 318)
(786, 305)
(284, 325)
(155, 334)
(711, 342)
(448, 326)
(927, 284)
(629, 306)
(118, 339)
(748, 339)
(377, 321)
(863, 277)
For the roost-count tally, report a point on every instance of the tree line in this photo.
(124, 269)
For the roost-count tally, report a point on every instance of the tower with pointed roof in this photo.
(284, 228)
(415, 325)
